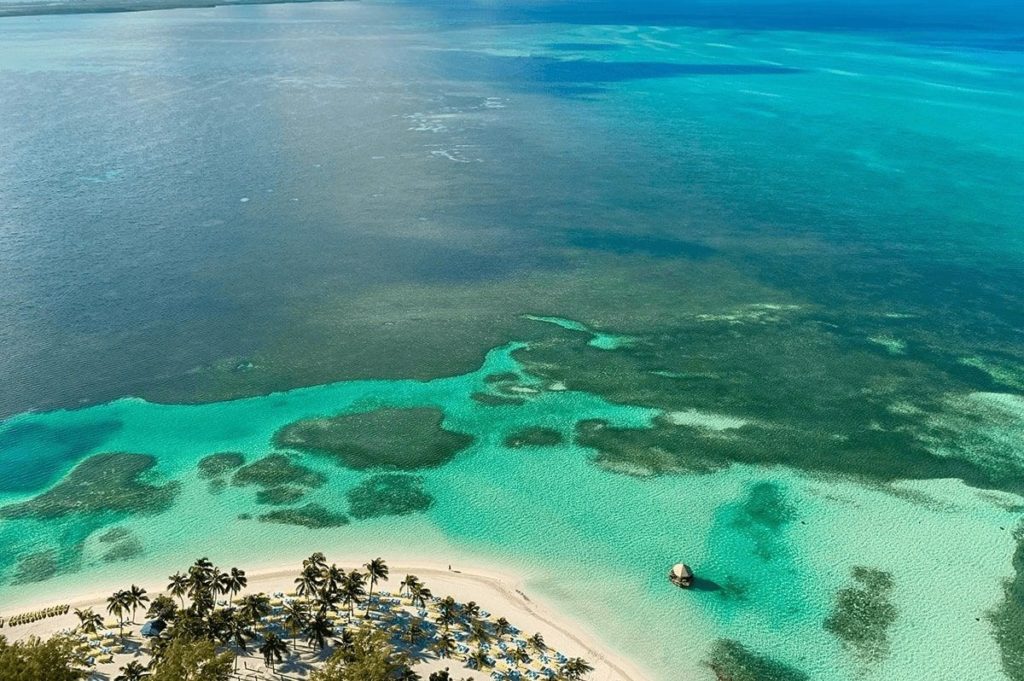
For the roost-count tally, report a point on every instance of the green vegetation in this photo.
(35, 660)
(863, 614)
(313, 516)
(732, 661)
(388, 494)
(368, 656)
(220, 464)
(102, 483)
(336, 626)
(187, 659)
(402, 439)
(534, 436)
(1008, 616)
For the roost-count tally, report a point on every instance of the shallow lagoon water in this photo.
(771, 547)
(808, 235)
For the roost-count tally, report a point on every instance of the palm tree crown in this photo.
(88, 621)
(318, 629)
(376, 570)
(136, 597)
(232, 582)
(576, 668)
(273, 649)
(133, 671)
(178, 586)
(352, 590)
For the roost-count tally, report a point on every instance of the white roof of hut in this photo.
(682, 571)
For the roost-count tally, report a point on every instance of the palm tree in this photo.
(478, 633)
(318, 629)
(221, 625)
(376, 569)
(273, 649)
(415, 631)
(502, 627)
(88, 621)
(445, 645)
(480, 659)
(308, 581)
(448, 612)
(518, 655)
(472, 610)
(200, 579)
(576, 668)
(213, 579)
(162, 608)
(332, 577)
(348, 645)
(241, 630)
(537, 643)
(352, 590)
(295, 619)
(136, 597)
(233, 582)
(408, 584)
(254, 607)
(117, 605)
(317, 562)
(133, 671)
(420, 594)
(178, 586)
(327, 599)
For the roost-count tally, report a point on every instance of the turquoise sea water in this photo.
(775, 249)
(767, 576)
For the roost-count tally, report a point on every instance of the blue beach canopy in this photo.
(151, 629)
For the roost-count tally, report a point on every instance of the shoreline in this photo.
(501, 593)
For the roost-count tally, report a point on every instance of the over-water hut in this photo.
(681, 575)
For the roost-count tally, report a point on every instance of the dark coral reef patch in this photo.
(313, 516)
(219, 464)
(397, 439)
(489, 400)
(732, 661)
(36, 567)
(1008, 616)
(534, 436)
(863, 614)
(388, 494)
(103, 483)
(276, 470)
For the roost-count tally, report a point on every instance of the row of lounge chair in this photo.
(35, 616)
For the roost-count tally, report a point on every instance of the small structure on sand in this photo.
(153, 629)
(681, 575)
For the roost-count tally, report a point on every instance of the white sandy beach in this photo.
(502, 595)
